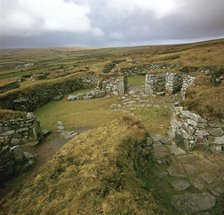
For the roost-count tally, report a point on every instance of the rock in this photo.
(197, 183)
(176, 170)
(180, 184)
(58, 97)
(71, 98)
(160, 152)
(160, 94)
(165, 141)
(100, 93)
(219, 140)
(45, 132)
(69, 134)
(206, 178)
(14, 141)
(149, 141)
(115, 106)
(28, 165)
(60, 126)
(174, 149)
(216, 132)
(189, 203)
(201, 133)
(30, 115)
(28, 155)
(17, 153)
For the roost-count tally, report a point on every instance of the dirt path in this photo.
(42, 154)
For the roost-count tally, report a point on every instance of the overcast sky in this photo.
(106, 23)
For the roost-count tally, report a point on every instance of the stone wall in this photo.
(187, 82)
(14, 131)
(17, 131)
(116, 85)
(167, 83)
(193, 130)
(143, 69)
(31, 98)
(9, 86)
(13, 161)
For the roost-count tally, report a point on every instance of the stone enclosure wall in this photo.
(193, 130)
(9, 86)
(29, 99)
(13, 133)
(167, 83)
(20, 130)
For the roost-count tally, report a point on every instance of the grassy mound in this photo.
(92, 174)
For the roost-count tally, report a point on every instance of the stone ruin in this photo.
(193, 130)
(167, 83)
(116, 85)
(14, 133)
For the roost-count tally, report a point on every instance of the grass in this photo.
(92, 174)
(206, 100)
(136, 80)
(156, 120)
(77, 114)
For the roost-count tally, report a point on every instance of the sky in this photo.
(108, 23)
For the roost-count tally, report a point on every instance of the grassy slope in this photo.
(92, 174)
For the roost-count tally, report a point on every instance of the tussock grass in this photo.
(92, 174)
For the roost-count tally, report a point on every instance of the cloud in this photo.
(25, 17)
(160, 8)
(101, 23)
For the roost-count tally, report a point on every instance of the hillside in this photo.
(95, 173)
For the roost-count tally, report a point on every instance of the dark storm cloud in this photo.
(98, 23)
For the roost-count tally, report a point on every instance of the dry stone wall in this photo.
(116, 85)
(13, 133)
(34, 97)
(21, 130)
(167, 83)
(9, 86)
(194, 130)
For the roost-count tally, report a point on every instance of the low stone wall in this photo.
(167, 83)
(9, 86)
(114, 85)
(143, 69)
(17, 131)
(31, 98)
(193, 130)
